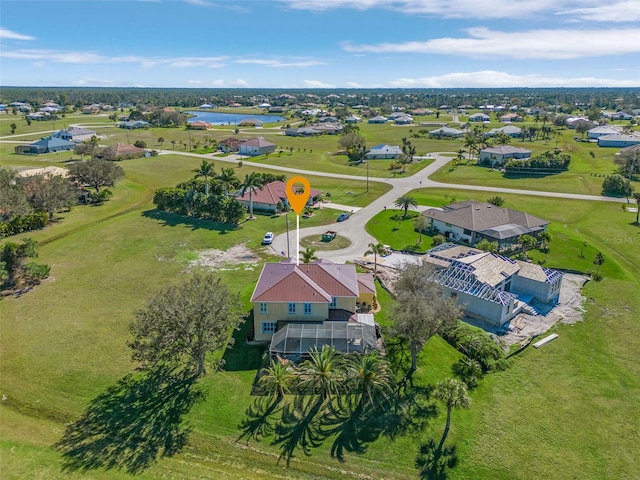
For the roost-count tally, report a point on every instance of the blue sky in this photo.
(320, 43)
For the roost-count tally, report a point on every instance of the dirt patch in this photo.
(569, 310)
(226, 260)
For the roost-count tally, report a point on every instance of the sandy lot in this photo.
(238, 256)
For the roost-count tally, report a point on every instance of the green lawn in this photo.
(564, 411)
(585, 174)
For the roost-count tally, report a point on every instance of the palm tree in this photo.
(160, 140)
(277, 379)
(227, 179)
(420, 223)
(308, 255)
(545, 238)
(405, 202)
(453, 393)
(320, 372)
(636, 197)
(375, 249)
(205, 170)
(526, 242)
(13, 128)
(598, 261)
(368, 377)
(252, 183)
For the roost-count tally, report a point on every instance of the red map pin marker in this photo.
(298, 199)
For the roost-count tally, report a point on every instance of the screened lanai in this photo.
(294, 340)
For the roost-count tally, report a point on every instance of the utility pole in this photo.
(189, 131)
(367, 176)
(286, 216)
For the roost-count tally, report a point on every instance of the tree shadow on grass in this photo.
(174, 220)
(260, 419)
(242, 356)
(131, 424)
(434, 462)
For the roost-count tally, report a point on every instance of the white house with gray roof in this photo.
(619, 140)
(383, 152)
(491, 287)
(446, 132)
(471, 221)
(500, 154)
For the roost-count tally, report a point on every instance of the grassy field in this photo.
(585, 174)
(564, 411)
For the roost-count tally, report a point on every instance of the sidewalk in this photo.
(337, 206)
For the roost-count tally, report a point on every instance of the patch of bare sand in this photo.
(569, 310)
(226, 260)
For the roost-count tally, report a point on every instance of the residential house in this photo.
(331, 128)
(446, 132)
(125, 151)
(198, 125)
(618, 140)
(21, 106)
(511, 117)
(573, 122)
(383, 152)
(38, 116)
(491, 287)
(230, 144)
(378, 119)
(603, 130)
(205, 106)
(250, 122)
(320, 293)
(45, 145)
(277, 109)
(403, 120)
(479, 117)
(352, 119)
(471, 221)
(134, 124)
(510, 130)
(272, 198)
(91, 109)
(256, 146)
(500, 154)
(75, 134)
(302, 132)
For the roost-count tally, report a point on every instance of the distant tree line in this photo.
(563, 100)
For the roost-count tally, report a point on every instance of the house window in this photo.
(268, 327)
(334, 302)
(467, 232)
(292, 309)
(264, 309)
(307, 309)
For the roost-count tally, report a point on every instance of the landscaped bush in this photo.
(547, 163)
(617, 186)
(23, 223)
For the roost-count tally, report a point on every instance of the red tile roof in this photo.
(272, 193)
(308, 282)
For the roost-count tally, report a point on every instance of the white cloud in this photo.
(544, 44)
(280, 63)
(94, 82)
(441, 8)
(8, 34)
(353, 85)
(93, 58)
(494, 79)
(201, 3)
(317, 84)
(626, 11)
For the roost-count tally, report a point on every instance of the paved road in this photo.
(353, 228)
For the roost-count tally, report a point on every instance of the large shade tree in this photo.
(420, 310)
(96, 173)
(183, 323)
